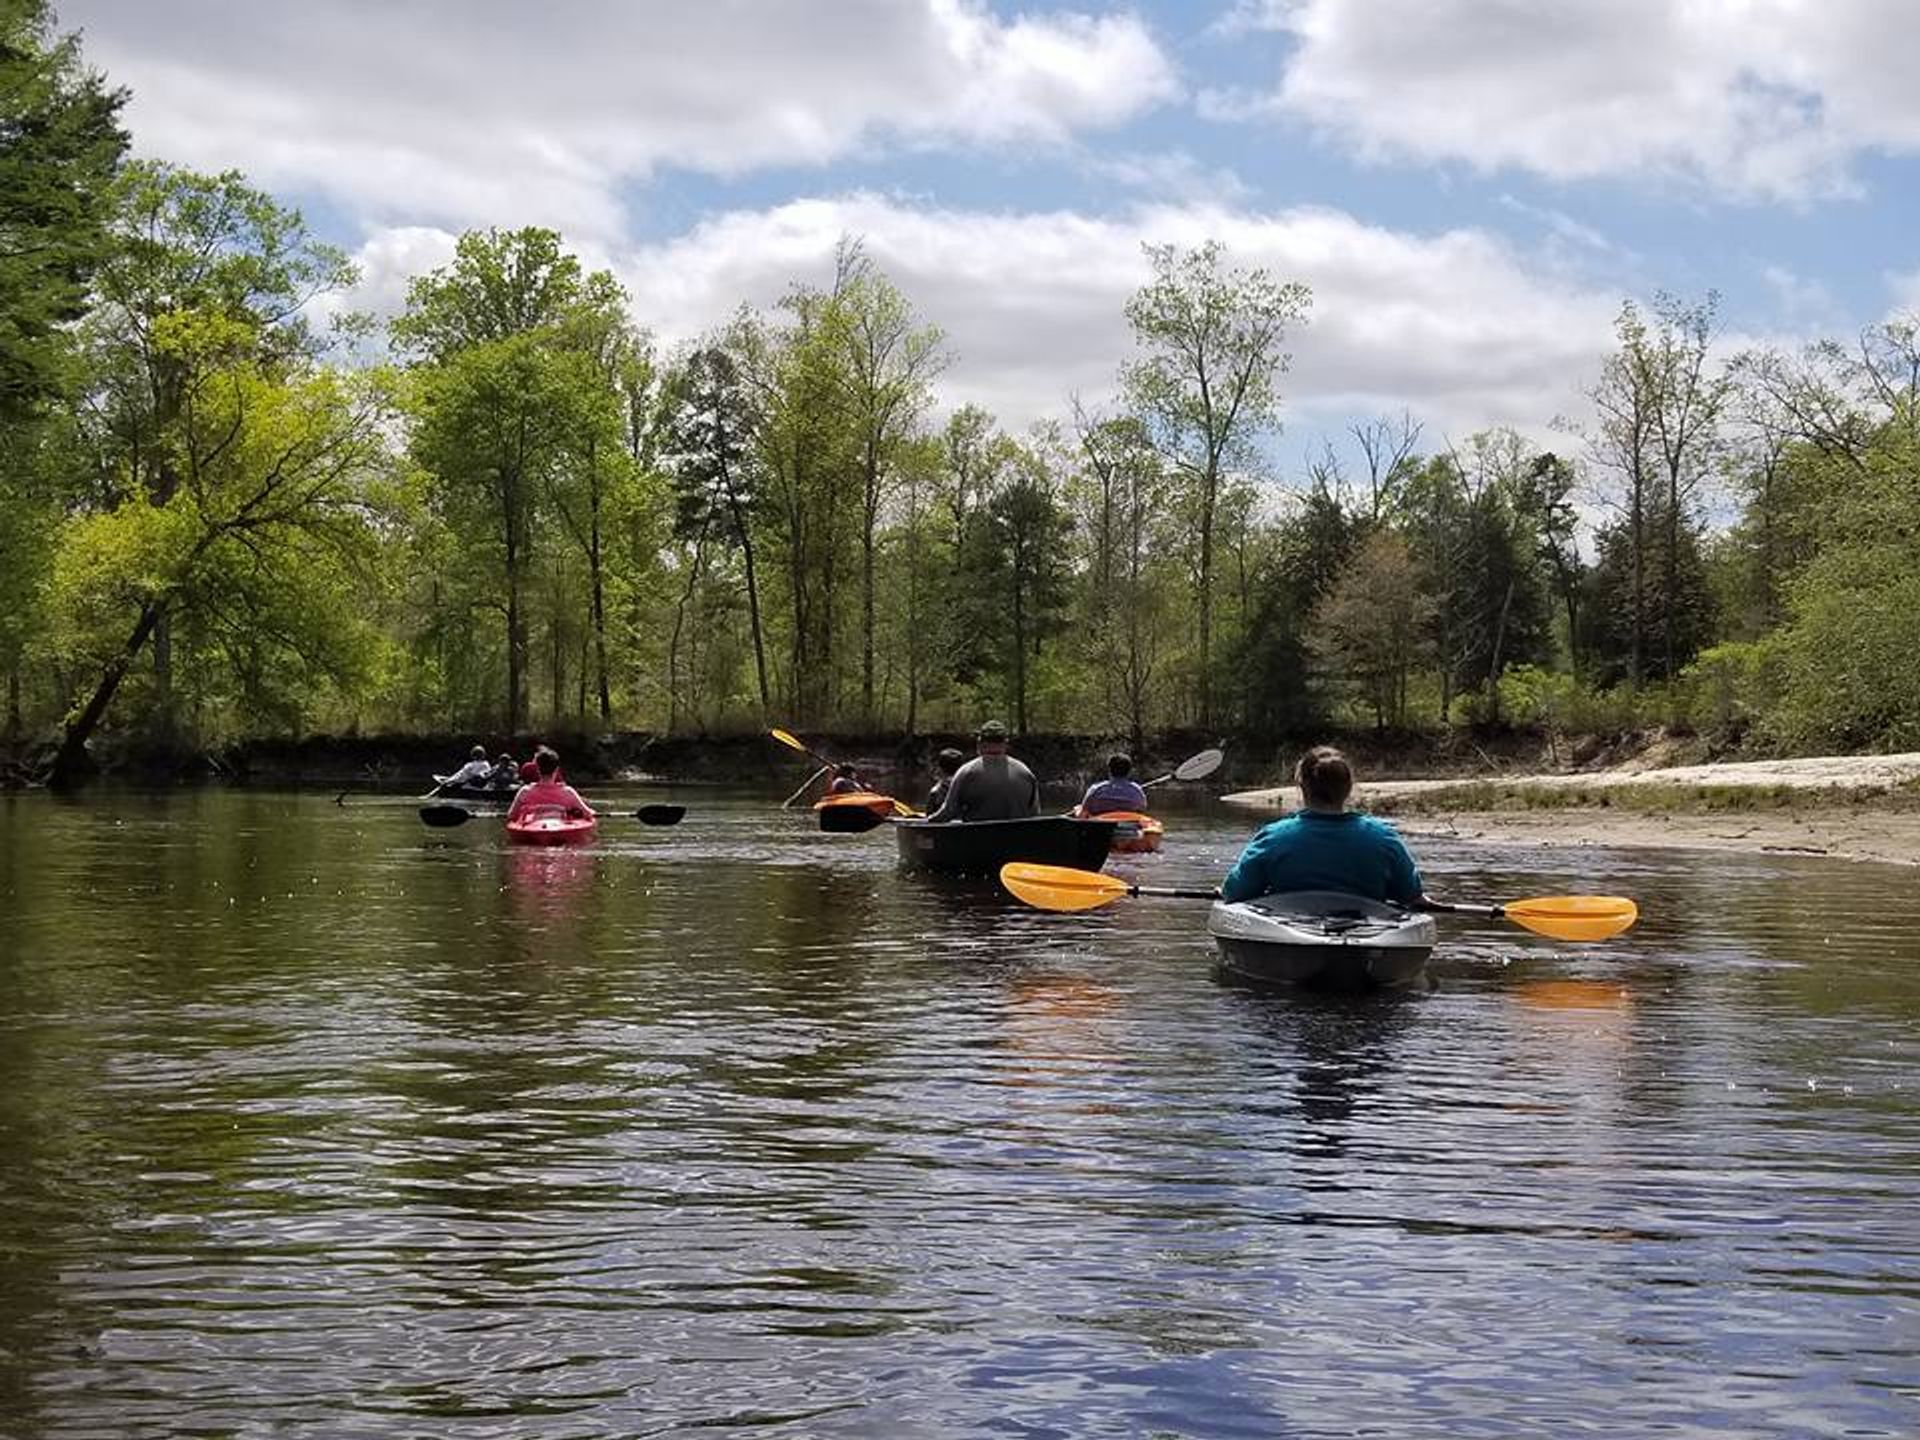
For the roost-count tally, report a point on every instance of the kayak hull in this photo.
(1138, 833)
(473, 794)
(1322, 940)
(853, 813)
(551, 829)
(981, 847)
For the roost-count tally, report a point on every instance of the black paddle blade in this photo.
(660, 814)
(445, 817)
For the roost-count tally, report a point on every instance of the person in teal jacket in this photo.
(1326, 846)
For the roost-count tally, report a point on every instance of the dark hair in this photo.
(949, 760)
(845, 767)
(1119, 764)
(546, 760)
(505, 759)
(1325, 776)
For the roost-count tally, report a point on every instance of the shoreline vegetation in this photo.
(230, 507)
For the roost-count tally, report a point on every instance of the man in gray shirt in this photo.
(991, 786)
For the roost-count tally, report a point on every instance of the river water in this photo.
(318, 1123)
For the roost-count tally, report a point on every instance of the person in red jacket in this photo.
(549, 791)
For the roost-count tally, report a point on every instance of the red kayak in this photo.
(550, 825)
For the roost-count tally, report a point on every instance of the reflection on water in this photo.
(315, 1122)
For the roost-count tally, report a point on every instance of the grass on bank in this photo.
(1644, 798)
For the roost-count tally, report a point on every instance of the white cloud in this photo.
(1762, 99)
(1456, 326)
(493, 112)
(1906, 293)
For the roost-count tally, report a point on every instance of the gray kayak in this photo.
(1320, 938)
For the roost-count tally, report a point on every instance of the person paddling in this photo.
(846, 781)
(991, 786)
(1326, 846)
(549, 791)
(473, 775)
(1119, 791)
(506, 773)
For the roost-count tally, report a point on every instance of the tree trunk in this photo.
(1206, 599)
(71, 762)
(16, 724)
(753, 603)
(599, 615)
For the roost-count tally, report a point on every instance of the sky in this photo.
(1470, 188)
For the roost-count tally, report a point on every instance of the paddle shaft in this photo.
(1445, 907)
(787, 804)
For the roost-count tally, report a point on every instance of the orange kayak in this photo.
(856, 810)
(1137, 833)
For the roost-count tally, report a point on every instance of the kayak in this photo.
(856, 810)
(479, 794)
(1317, 937)
(549, 825)
(981, 847)
(1138, 833)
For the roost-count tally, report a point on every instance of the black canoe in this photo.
(981, 847)
(474, 794)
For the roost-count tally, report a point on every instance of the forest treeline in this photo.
(227, 507)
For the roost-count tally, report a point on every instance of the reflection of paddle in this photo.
(660, 814)
(1194, 767)
(1564, 917)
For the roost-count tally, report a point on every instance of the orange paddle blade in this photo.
(1574, 917)
(787, 739)
(1055, 887)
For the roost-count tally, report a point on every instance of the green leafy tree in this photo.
(707, 445)
(60, 147)
(509, 387)
(1206, 388)
(1370, 628)
(257, 540)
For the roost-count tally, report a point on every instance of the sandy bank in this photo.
(1860, 807)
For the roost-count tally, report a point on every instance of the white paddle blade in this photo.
(1198, 767)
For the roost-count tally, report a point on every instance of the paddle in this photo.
(1563, 917)
(793, 742)
(660, 814)
(1194, 767)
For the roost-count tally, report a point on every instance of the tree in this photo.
(60, 147)
(505, 390)
(707, 446)
(1660, 411)
(1368, 628)
(1123, 497)
(276, 474)
(890, 364)
(1205, 387)
(1016, 572)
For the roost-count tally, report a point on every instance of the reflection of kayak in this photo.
(1316, 937)
(1137, 833)
(981, 847)
(549, 825)
(855, 810)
